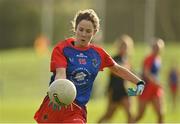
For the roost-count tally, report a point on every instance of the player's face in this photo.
(123, 48)
(84, 33)
(158, 46)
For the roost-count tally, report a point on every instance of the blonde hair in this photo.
(158, 42)
(87, 14)
(128, 41)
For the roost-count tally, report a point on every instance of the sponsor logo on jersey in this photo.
(80, 76)
(81, 55)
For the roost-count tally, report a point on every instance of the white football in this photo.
(64, 90)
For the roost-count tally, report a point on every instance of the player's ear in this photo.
(95, 31)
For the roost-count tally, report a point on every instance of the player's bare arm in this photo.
(60, 73)
(124, 73)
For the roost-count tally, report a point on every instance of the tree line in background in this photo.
(128, 16)
(21, 20)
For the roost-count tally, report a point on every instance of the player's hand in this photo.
(138, 91)
(56, 104)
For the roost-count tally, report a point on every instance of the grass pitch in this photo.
(24, 78)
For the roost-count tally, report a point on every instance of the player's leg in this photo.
(126, 105)
(109, 112)
(157, 104)
(174, 99)
(111, 107)
(141, 109)
(147, 95)
(174, 94)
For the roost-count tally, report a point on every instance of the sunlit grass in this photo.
(24, 78)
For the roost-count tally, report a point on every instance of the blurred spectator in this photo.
(153, 92)
(41, 45)
(173, 80)
(117, 94)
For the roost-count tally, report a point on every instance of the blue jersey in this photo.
(173, 76)
(82, 66)
(153, 64)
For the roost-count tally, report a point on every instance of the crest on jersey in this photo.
(94, 63)
(82, 61)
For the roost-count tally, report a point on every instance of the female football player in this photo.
(80, 61)
(173, 80)
(153, 90)
(117, 94)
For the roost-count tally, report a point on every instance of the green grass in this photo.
(24, 78)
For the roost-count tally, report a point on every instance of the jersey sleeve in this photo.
(148, 63)
(58, 59)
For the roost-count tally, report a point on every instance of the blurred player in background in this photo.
(173, 80)
(41, 45)
(153, 91)
(117, 94)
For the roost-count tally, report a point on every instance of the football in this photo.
(62, 90)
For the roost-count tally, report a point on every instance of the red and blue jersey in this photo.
(82, 65)
(153, 64)
(152, 90)
(173, 76)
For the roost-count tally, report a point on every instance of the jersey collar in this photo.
(71, 40)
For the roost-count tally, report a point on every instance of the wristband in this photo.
(141, 82)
